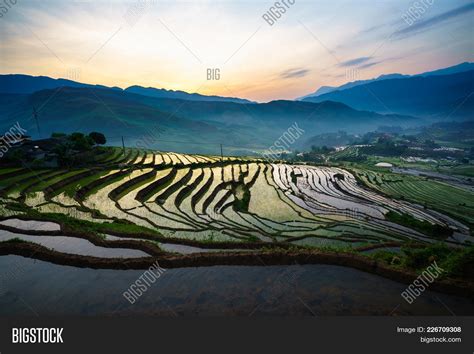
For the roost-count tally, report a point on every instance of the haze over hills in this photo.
(181, 125)
(463, 67)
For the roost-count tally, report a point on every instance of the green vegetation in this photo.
(443, 147)
(98, 138)
(44, 183)
(71, 189)
(455, 263)
(454, 201)
(242, 197)
(60, 150)
(16, 240)
(425, 227)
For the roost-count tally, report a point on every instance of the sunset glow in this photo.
(171, 44)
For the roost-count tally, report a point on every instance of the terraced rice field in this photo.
(348, 153)
(448, 199)
(204, 198)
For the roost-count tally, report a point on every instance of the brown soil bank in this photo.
(254, 258)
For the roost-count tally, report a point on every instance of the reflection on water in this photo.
(50, 289)
(31, 224)
(459, 181)
(74, 245)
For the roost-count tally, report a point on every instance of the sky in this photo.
(174, 44)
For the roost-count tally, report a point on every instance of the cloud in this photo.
(354, 62)
(426, 24)
(368, 65)
(372, 29)
(292, 73)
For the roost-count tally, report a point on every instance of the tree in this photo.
(98, 138)
(80, 141)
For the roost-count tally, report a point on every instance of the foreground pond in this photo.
(29, 287)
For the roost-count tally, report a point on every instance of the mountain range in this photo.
(163, 93)
(17, 83)
(180, 125)
(327, 89)
(435, 97)
(190, 122)
(445, 71)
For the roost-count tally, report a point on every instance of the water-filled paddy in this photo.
(35, 286)
(74, 245)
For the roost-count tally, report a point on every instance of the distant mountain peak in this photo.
(462, 67)
(27, 84)
(164, 93)
(441, 94)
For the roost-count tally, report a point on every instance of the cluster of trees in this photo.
(79, 141)
(316, 155)
(386, 147)
(76, 148)
(322, 149)
(341, 138)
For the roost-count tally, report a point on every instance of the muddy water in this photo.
(29, 286)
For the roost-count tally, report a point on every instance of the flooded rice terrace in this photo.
(32, 287)
(242, 201)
